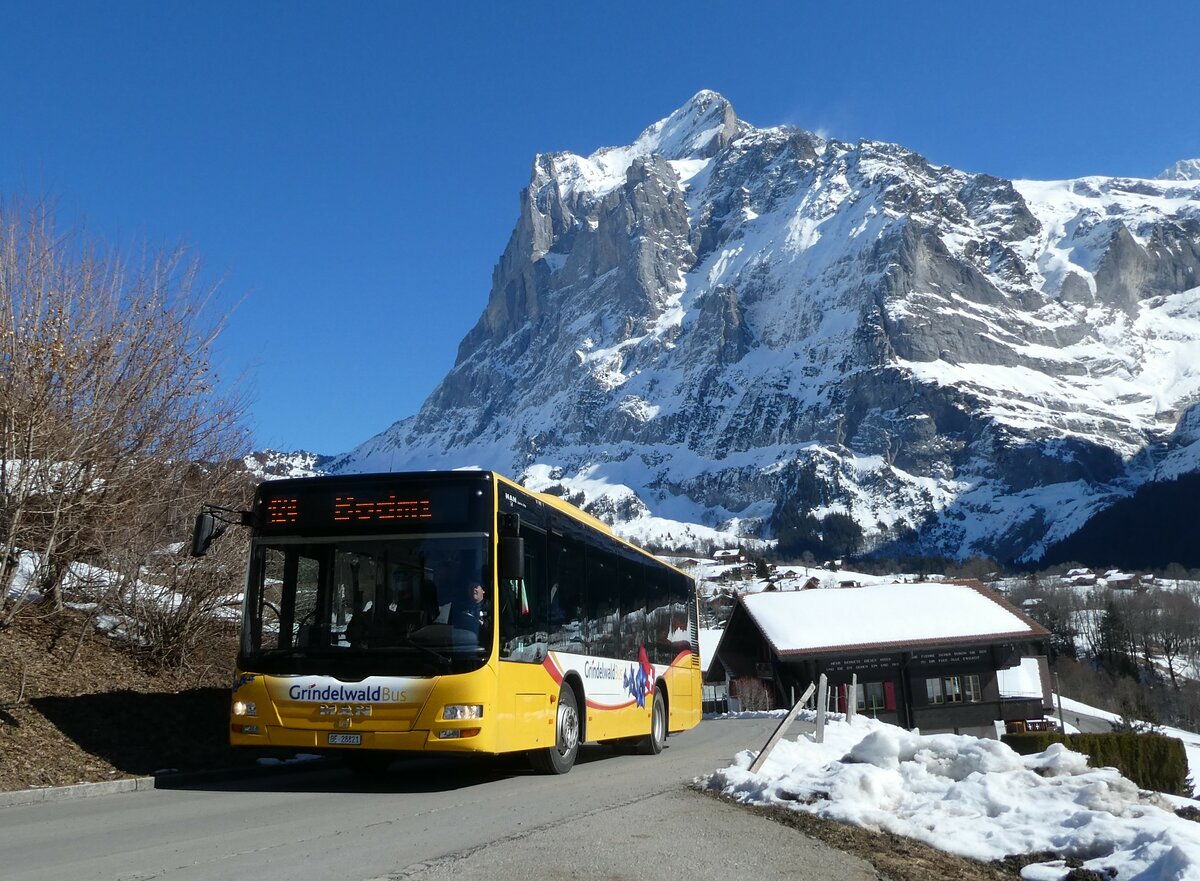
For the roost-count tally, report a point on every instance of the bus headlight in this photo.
(462, 711)
(243, 708)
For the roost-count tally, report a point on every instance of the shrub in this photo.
(1152, 761)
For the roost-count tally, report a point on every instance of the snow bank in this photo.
(977, 798)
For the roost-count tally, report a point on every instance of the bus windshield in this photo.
(357, 606)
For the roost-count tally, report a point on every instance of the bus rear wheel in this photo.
(559, 759)
(652, 743)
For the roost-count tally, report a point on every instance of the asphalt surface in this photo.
(614, 816)
(1085, 723)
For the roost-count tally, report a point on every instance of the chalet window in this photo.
(953, 689)
(872, 697)
(971, 689)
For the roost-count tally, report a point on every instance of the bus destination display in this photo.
(363, 510)
(391, 508)
(286, 511)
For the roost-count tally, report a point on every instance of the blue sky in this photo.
(350, 173)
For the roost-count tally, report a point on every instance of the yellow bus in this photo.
(453, 612)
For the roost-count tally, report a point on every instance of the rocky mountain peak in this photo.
(1184, 169)
(720, 329)
(697, 130)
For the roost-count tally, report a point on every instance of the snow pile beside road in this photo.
(973, 797)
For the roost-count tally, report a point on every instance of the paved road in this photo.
(614, 816)
(1083, 722)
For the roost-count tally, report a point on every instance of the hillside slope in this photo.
(76, 707)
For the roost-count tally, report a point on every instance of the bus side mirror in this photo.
(206, 529)
(512, 558)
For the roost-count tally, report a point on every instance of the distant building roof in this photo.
(710, 638)
(902, 615)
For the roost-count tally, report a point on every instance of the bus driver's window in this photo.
(522, 608)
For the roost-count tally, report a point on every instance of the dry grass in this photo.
(76, 707)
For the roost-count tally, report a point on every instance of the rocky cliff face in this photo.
(720, 323)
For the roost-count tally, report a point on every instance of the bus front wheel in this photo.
(652, 743)
(559, 758)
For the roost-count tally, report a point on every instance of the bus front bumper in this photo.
(468, 740)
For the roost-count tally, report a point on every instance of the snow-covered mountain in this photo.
(274, 465)
(1184, 169)
(723, 325)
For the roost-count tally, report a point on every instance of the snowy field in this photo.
(974, 797)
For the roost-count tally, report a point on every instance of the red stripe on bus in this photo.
(592, 705)
(679, 658)
(552, 669)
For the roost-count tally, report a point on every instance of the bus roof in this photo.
(553, 501)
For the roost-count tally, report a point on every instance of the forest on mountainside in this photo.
(1157, 526)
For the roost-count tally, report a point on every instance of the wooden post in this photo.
(778, 735)
(1062, 723)
(852, 698)
(822, 706)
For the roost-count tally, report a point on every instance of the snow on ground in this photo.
(1190, 739)
(89, 583)
(973, 797)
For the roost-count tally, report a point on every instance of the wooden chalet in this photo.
(927, 655)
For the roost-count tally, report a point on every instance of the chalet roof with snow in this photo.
(886, 616)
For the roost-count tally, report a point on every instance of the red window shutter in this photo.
(842, 706)
(889, 696)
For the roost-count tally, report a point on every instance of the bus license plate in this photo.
(345, 739)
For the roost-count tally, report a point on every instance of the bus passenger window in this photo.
(631, 601)
(565, 608)
(522, 609)
(602, 624)
(664, 619)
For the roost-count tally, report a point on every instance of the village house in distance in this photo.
(939, 656)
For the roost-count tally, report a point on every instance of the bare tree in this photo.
(1177, 627)
(106, 387)
(173, 604)
(1141, 611)
(1089, 619)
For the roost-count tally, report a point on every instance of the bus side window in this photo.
(659, 609)
(522, 611)
(631, 600)
(565, 604)
(602, 627)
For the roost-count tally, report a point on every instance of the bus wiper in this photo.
(438, 656)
